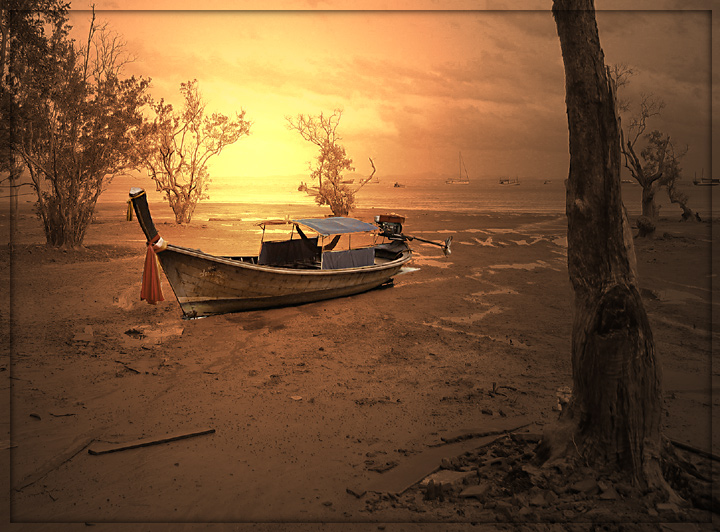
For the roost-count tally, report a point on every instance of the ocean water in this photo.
(538, 196)
(487, 195)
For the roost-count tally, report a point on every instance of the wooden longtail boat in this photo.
(288, 272)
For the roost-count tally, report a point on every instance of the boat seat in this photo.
(351, 258)
(290, 253)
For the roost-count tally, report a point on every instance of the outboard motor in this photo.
(390, 224)
(391, 227)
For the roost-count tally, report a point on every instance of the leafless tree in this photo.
(178, 145)
(621, 74)
(331, 162)
(656, 163)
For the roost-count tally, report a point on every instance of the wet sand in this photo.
(309, 401)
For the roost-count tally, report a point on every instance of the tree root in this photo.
(672, 478)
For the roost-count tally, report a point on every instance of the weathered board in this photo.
(104, 448)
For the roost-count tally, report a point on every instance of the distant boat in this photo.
(547, 182)
(460, 179)
(509, 181)
(705, 181)
(398, 185)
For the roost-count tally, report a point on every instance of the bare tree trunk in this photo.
(648, 201)
(182, 206)
(682, 200)
(614, 417)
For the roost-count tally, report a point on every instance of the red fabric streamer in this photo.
(151, 290)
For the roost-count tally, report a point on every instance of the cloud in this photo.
(416, 87)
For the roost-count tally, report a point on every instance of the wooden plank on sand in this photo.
(104, 448)
(412, 471)
(466, 433)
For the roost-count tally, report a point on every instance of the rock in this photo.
(551, 497)
(598, 515)
(563, 394)
(587, 487)
(538, 500)
(527, 437)
(666, 507)
(533, 472)
(504, 505)
(86, 336)
(499, 462)
(446, 477)
(609, 494)
(525, 511)
(624, 489)
(520, 499)
(476, 491)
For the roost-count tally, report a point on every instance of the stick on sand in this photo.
(104, 448)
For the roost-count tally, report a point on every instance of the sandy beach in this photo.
(312, 405)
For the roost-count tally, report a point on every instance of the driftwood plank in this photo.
(417, 467)
(464, 434)
(412, 471)
(104, 448)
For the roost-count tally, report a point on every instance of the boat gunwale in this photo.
(406, 256)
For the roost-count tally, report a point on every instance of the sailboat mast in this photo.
(460, 179)
(462, 165)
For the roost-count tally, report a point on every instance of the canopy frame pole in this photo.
(322, 250)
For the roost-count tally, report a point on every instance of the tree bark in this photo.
(614, 417)
(648, 200)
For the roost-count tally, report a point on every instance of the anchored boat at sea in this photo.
(460, 180)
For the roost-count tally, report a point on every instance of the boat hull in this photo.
(205, 284)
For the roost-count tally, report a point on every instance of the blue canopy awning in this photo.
(336, 225)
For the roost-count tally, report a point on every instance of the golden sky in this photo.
(415, 87)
